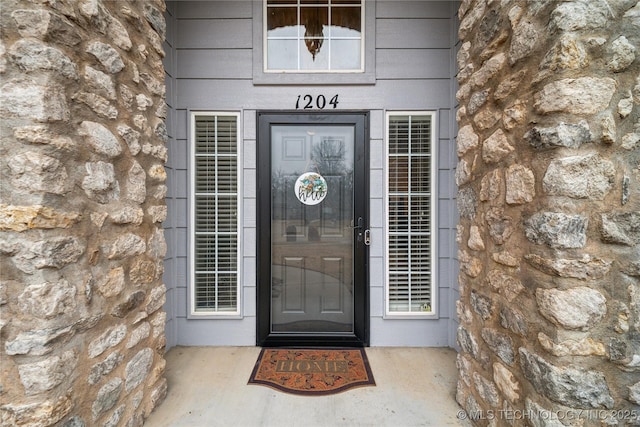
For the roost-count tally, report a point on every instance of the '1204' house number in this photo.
(308, 102)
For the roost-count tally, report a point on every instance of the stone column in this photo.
(81, 205)
(549, 201)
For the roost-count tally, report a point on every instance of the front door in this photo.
(312, 229)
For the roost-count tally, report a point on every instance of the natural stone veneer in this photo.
(576, 308)
(549, 232)
(578, 388)
(81, 205)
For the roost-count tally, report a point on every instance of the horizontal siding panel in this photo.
(169, 59)
(409, 333)
(215, 33)
(413, 33)
(242, 94)
(178, 152)
(212, 332)
(170, 302)
(376, 125)
(412, 94)
(415, 9)
(169, 89)
(249, 125)
(182, 123)
(214, 9)
(171, 27)
(446, 237)
(444, 124)
(171, 7)
(413, 63)
(444, 307)
(181, 298)
(446, 154)
(215, 63)
(182, 266)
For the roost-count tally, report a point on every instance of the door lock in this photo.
(364, 235)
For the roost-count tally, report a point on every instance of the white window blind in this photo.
(410, 186)
(215, 237)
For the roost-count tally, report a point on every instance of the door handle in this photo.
(363, 234)
(358, 225)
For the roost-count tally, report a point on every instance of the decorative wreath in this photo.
(314, 183)
(311, 188)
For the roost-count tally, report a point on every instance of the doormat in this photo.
(314, 372)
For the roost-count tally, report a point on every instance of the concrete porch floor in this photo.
(208, 387)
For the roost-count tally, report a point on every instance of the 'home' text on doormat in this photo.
(312, 371)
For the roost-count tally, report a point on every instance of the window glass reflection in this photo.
(327, 35)
(320, 60)
(282, 54)
(339, 60)
(315, 21)
(284, 20)
(347, 18)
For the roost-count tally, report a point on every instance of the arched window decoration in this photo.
(314, 36)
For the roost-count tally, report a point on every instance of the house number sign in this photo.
(308, 102)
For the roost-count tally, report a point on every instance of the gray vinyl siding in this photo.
(211, 69)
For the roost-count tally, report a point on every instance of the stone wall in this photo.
(549, 199)
(81, 206)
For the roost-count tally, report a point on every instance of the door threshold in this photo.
(288, 340)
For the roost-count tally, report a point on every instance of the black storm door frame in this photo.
(352, 232)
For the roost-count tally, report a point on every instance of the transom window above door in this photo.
(314, 36)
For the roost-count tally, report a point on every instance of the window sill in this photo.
(411, 316)
(214, 316)
(289, 78)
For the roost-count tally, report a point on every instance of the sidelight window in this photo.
(314, 36)
(410, 214)
(214, 214)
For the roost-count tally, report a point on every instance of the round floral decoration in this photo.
(311, 188)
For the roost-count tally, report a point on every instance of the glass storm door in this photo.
(312, 229)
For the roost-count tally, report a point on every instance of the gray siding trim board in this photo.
(414, 9)
(223, 63)
(385, 95)
(171, 262)
(217, 9)
(215, 33)
(392, 64)
(412, 33)
(453, 256)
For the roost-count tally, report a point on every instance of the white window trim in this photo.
(337, 77)
(193, 314)
(433, 314)
(363, 38)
